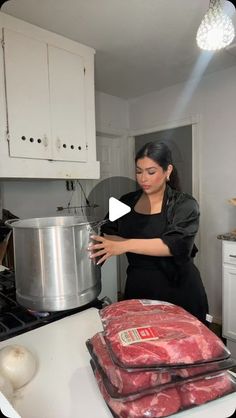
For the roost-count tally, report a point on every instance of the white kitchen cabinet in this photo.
(27, 96)
(229, 289)
(47, 112)
(67, 96)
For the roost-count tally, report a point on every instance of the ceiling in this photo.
(141, 45)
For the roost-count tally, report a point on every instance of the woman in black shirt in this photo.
(157, 236)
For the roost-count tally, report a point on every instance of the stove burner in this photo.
(15, 319)
(38, 314)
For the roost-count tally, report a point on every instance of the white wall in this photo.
(112, 114)
(213, 100)
(36, 198)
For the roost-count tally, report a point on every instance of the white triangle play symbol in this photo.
(117, 209)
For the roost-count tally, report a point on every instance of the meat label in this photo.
(145, 302)
(136, 335)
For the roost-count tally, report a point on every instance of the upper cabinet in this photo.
(27, 96)
(47, 110)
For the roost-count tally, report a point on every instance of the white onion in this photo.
(17, 364)
(6, 388)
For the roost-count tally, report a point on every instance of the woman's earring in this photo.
(168, 178)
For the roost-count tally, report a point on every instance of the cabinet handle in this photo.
(45, 140)
(58, 143)
(232, 255)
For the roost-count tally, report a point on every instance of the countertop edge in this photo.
(228, 236)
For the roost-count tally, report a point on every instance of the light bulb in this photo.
(216, 30)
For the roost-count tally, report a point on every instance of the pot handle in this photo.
(10, 221)
(98, 225)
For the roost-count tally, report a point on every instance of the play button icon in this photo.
(117, 209)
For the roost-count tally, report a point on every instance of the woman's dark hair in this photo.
(161, 154)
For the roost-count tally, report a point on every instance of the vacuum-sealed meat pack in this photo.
(172, 399)
(121, 383)
(154, 359)
(153, 338)
(162, 404)
(134, 306)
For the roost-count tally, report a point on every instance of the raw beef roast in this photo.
(169, 401)
(152, 339)
(120, 382)
(204, 390)
(119, 309)
(205, 369)
(161, 404)
(125, 383)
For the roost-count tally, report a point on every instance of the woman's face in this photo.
(150, 176)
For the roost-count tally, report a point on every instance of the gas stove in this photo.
(15, 319)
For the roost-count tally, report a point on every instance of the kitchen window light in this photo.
(216, 30)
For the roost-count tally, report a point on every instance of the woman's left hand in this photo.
(106, 247)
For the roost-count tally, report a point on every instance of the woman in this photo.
(157, 236)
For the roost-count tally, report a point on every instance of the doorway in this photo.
(180, 142)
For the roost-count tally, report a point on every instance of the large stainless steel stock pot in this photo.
(52, 266)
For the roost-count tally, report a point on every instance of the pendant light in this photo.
(2, 2)
(216, 30)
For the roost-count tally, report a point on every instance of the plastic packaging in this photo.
(135, 306)
(169, 401)
(120, 383)
(149, 406)
(160, 339)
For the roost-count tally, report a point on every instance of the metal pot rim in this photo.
(41, 223)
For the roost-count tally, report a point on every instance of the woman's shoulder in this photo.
(179, 196)
(181, 199)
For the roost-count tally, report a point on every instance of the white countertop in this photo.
(64, 386)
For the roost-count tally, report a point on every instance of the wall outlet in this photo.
(70, 185)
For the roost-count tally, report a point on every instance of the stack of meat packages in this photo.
(154, 359)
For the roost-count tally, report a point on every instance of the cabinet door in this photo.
(229, 252)
(67, 98)
(229, 299)
(27, 95)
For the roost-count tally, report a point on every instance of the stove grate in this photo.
(15, 319)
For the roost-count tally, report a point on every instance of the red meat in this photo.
(125, 382)
(145, 319)
(160, 404)
(119, 309)
(151, 339)
(205, 390)
(199, 370)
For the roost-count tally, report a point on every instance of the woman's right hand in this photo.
(106, 247)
